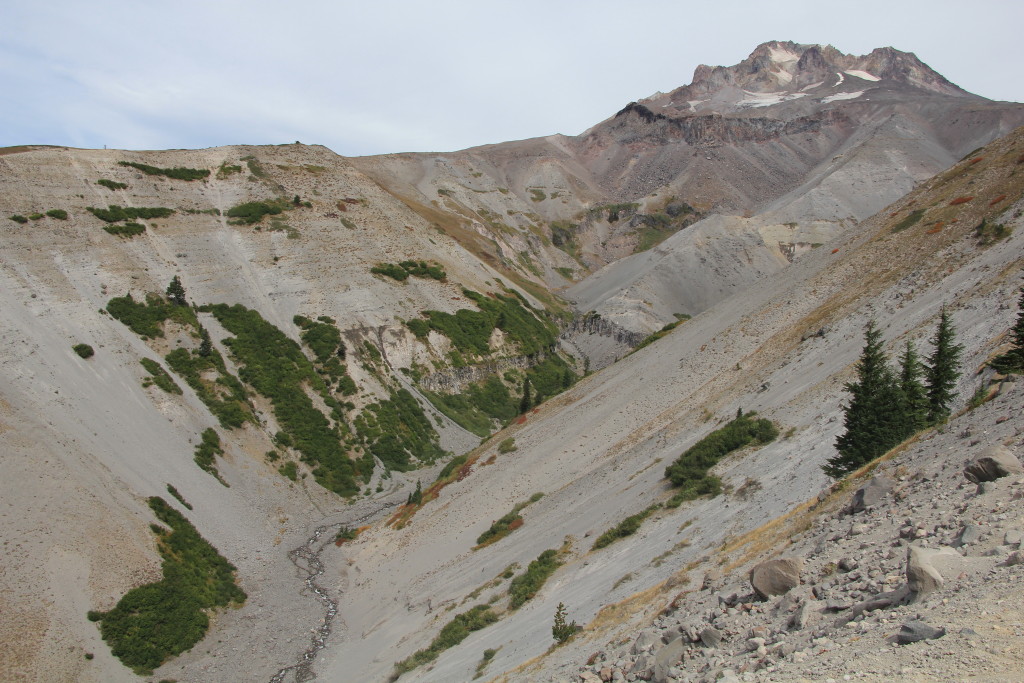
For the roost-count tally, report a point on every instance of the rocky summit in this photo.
(545, 410)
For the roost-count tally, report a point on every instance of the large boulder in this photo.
(776, 577)
(994, 463)
(914, 631)
(667, 658)
(926, 566)
(872, 493)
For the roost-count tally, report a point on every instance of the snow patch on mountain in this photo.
(862, 74)
(842, 96)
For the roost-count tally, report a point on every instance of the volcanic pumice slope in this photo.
(84, 441)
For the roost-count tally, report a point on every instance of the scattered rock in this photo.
(969, 534)
(666, 659)
(914, 631)
(711, 637)
(924, 565)
(994, 463)
(776, 577)
(871, 494)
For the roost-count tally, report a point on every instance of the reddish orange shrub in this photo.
(997, 200)
(835, 251)
(976, 160)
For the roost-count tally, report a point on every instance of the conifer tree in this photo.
(176, 292)
(562, 631)
(1013, 360)
(205, 345)
(912, 392)
(873, 417)
(525, 404)
(943, 370)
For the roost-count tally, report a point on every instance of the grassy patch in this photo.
(112, 184)
(174, 492)
(398, 432)
(146, 319)
(157, 621)
(909, 220)
(59, 214)
(222, 393)
(651, 338)
(537, 194)
(478, 406)
(401, 271)
(18, 218)
(690, 471)
(177, 173)
(225, 170)
(990, 233)
(250, 213)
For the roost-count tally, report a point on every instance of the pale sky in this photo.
(402, 76)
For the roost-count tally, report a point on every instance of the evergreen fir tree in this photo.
(562, 631)
(176, 292)
(873, 417)
(205, 345)
(525, 404)
(913, 395)
(1013, 360)
(943, 370)
(416, 497)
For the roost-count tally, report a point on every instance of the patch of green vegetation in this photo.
(401, 271)
(613, 211)
(626, 527)
(651, 338)
(112, 184)
(567, 273)
(18, 218)
(484, 661)
(537, 194)
(206, 212)
(476, 408)
(157, 621)
(226, 170)
(146, 319)
(35, 216)
(275, 366)
(177, 173)
(174, 492)
(529, 583)
(690, 471)
(59, 214)
(453, 633)
(209, 447)
(470, 330)
(254, 166)
(506, 524)
(115, 213)
(989, 233)
(224, 396)
(290, 470)
(909, 221)
(507, 445)
(128, 230)
(159, 377)
(251, 213)
(83, 350)
(398, 432)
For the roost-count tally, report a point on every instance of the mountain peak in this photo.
(777, 71)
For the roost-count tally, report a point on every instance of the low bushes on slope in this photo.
(690, 471)
(506, 524)
(157, 621)
(177, 173)
(529, 583)
(453, 633)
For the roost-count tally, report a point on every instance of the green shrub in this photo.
(35, 216)
(506, 525)
(690, 470)
(174, 492)
(177, 173)
(529, 583)
(159, 377)
(18, 218)
(470, 330)
(476, 408)
(128, 230)
(146, 318)
(111, 184)
(226, 170)
(398, 432)
(275, 366)
(115, 213)
(251, 213)
(507, 445)
(209, 447)
(59, 214)
(290, 470)
(224, 396)
(393, 271)
(157, 621)
(453, 633)
(626, 527)
(83, 350)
